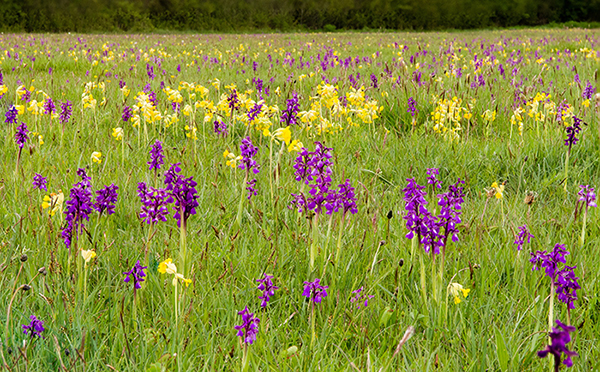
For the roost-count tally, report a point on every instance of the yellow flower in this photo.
(97, 157)
(295, 146)
(54, 202)
(283, 134)
(118, 133)
(87, 255)
(456, 289)
(180, 276)
(167, 267)
(499, 190)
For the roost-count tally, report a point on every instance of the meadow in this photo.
(326, 201)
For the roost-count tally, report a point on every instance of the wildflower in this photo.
(416, 208)
(567, 286)
(558, 345)
(127, 113)
(168, 267)
(233, 100)
(11, 115)
(450, 210)
(79, 207)
(283, 134)
(118, 133)
(289, 115)
(344, 198)
(66, 109)
(549, 261)
(137, 274)
(154, 203)
(220, 128)
(432, 179)
(499, 190)
(314, 291)
(456, 289)
(572, 132)
(21, 136)
(49, 106)
(183, 192)
(521, 236)
(248, 151)
(106, 199)
(40, 182)
(412, 107)
(587, 195)
(266, 285)
(96, 157)
(295, 145)
(358, 298)
(35, 328)
(54, 202)
(87, 255)
(156, 156)
(249, 327)
(251, 188)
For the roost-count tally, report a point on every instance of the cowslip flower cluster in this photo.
(168, 267)
(249, 327)
(136, 274)
(34, 328)
(456, 290)
(267, 287)
(154, 203)
(40, 182)
(314, 291)
(106, 199)
(183, 191)
(523, 234)
(559, 338)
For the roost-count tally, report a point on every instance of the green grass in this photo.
(499, 326)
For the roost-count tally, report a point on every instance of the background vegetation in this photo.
(285, 15)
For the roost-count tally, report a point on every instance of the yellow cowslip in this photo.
(54, 202)
(283, 134)
(168, 267)
(118, 133)
(499, 190)
(96, 157)
(88, 255)
(295, 146)
(456, 289)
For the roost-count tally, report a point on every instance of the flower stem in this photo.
(339, 241)
(566, 169)
(313, 244)
(582, 238)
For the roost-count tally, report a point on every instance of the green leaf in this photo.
(501, 350)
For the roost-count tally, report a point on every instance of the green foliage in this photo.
(328, 15)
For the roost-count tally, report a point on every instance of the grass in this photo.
(499, 326)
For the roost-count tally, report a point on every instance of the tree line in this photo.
(286, 15)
